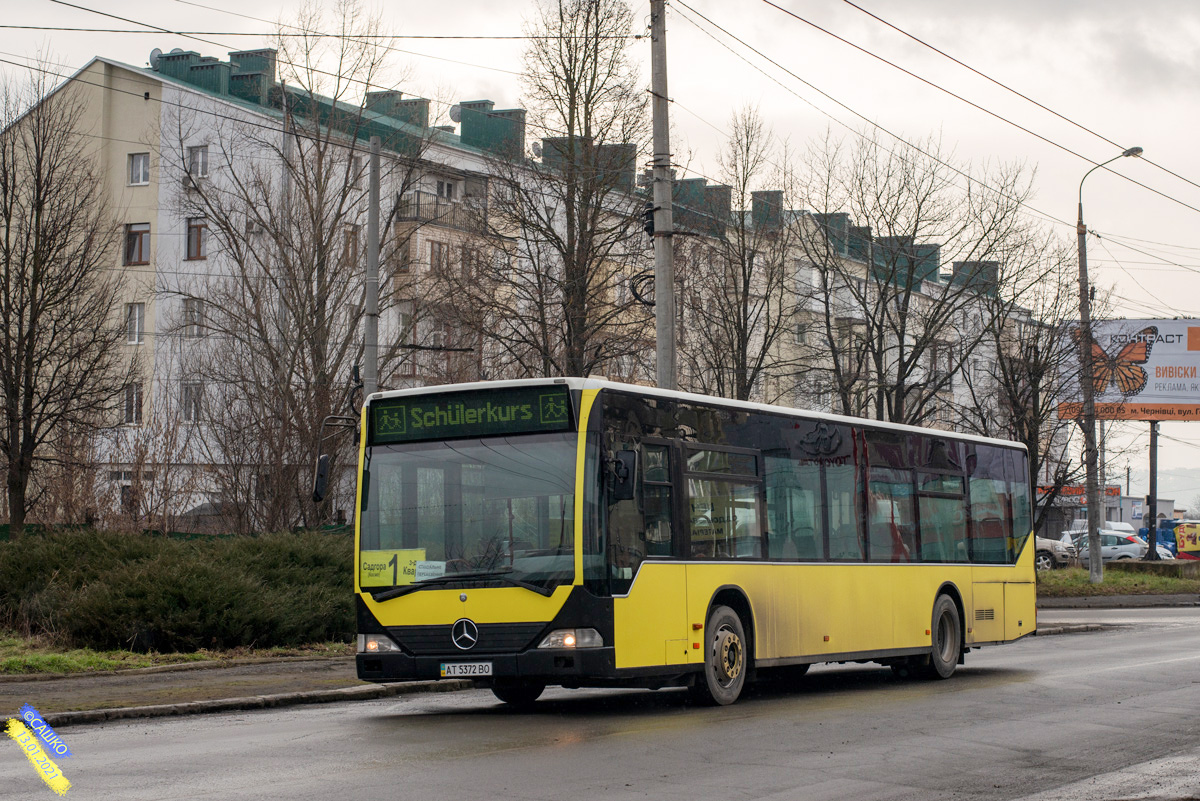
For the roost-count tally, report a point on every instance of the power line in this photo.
(975, 105)
(308, 67)
(1007, 88)
(1044, 215)
(277, 34)
(309, 33)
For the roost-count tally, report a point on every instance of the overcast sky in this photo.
(1129, 72)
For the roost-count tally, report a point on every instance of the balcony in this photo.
(426, 207)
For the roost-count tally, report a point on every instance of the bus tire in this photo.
(725, 659)
(520, 694)
(946, 633)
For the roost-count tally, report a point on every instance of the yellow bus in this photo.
(580, 532)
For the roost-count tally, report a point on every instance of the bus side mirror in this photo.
(321, 478)
(622, 473)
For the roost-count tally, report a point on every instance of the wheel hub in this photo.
(729, 656)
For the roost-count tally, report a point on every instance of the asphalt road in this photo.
(1104, 715)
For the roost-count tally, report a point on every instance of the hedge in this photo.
(144, 592)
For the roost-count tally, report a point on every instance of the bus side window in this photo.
(991, 507)
(794, 524)
(990, 523)
(890, 516)
(842, 503)
(943, 518)
(656, 494)
(642, 527)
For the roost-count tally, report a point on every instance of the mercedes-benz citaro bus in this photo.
(579, 532)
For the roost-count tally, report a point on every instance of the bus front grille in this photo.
(493, 638)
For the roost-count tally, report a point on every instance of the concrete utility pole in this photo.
(1087, 388)
(370, 373)
(664, 267)
(1152, 501)
(1103, 480)
(1090, 460)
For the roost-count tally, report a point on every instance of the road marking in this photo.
(1076, 674)
(1175, 777)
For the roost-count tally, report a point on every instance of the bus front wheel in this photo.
(724, 659)
(519, 694)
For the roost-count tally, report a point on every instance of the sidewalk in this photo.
(1119, 601)
(205, 687)
(197, 687)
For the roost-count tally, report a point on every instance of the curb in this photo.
(1072, 628)
(1120, 601)
(365, 693)
(177, 667)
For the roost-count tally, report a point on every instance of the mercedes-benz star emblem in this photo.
(464, 634)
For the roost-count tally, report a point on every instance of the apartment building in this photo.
(226, 182)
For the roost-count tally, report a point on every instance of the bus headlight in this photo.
(572, 638)
(376, 644)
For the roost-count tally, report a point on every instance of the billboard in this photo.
(1144, 370)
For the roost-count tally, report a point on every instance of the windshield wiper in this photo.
(450, 578)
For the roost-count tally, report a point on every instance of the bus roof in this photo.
(595, 382)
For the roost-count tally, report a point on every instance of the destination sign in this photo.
(483, 413)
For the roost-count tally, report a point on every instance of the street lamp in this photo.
(1091, 466)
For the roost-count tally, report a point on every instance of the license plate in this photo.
(466, 669)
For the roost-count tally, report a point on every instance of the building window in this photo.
(801, 333)
(193, 318)
(407, 323)
(197, 161)
(133, 404)
(356, 172)
(197, 233)
(129, 500)
(137, 243)
(350, 247)
(401, 257)
(445, 190)
(139, 169)
(439, 256)
(135, 322)
(193, 401)
(940, 363)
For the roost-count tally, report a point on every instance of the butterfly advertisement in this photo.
(1141, 370)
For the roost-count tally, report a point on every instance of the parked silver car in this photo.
(1112, 546)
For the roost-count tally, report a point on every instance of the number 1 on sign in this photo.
(395, 565)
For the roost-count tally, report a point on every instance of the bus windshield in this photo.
(499, 506)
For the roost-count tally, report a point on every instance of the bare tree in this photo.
(548, 302)
(269, 335)
(735, 299)
(893, 327)
(155, 462)
(62, 367)
(1012, 388)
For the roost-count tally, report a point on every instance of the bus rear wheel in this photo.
(520, 694)
(946, 635)
(724, 673)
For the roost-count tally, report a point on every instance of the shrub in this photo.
(145, 592)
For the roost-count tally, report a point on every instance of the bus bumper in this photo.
(554, 666)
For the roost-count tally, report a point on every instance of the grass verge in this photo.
(22, 655)
(1073, 582)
